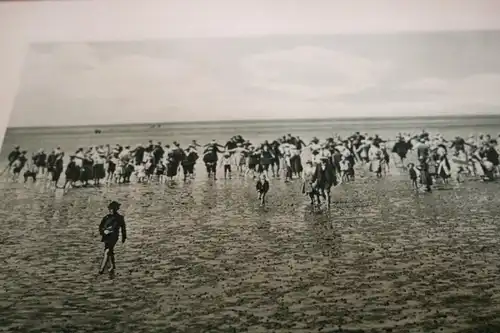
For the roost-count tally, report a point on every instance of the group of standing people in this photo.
(327, 163)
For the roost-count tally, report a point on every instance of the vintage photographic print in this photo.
(339, 183)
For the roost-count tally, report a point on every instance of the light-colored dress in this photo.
(375, 159)
(140, 171)
(307, 180)
(344, 165)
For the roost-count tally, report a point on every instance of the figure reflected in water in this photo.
(109, 229)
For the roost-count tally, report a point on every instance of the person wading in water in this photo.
(109, 229)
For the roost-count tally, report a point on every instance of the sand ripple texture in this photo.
(204, 257)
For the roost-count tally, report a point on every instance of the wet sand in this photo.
(204, 257)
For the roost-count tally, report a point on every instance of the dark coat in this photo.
(326, 178)
(262, 186)
(118, 225)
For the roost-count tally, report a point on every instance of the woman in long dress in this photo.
(444, 169)
(307, 178)
(376, 160)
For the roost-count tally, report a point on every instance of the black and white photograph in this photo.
(278, 183)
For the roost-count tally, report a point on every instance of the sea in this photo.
(71, 137)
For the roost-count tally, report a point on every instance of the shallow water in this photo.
(204, 257)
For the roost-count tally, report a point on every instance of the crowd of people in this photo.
(320, 164)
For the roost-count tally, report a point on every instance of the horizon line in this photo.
(445, 116)
(275, 35)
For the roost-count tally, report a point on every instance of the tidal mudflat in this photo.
(204, 257)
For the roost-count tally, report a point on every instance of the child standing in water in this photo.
(226, 163)
(160, 172)
(31, 172)
(413, 176)
(262, 188)
(141, 173)
(345, 167)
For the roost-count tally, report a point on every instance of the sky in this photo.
(416, 74)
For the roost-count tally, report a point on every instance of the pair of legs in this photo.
(251, 169)
(275, 167)
(109, 256)
(56, 175)
(345, 176)
(264, 169)
(227, 171)
(262, 198)
(325, 193)
(41, 169)
(288, 173)
(386, 167)
(188, 171)
(211, 169)
(312, 194)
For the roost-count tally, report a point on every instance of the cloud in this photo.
(312, 72)
(75, 80)
(83, 84)
(480, 89)
(426, 85)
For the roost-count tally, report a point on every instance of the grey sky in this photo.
(266, 77)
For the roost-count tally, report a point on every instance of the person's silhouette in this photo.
(109, 230)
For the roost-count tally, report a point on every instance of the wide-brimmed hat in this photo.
(114, 205)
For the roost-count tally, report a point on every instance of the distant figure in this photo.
(262, 188)
(324, 179)
(344, 169)
(97, 131)
(413, 176)
(425, 177)
(307, 176)
(12, 158)
(19, 163)
(109, 229)
(226, 163)
(488, 170)
(140, 172)
(31, 172)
